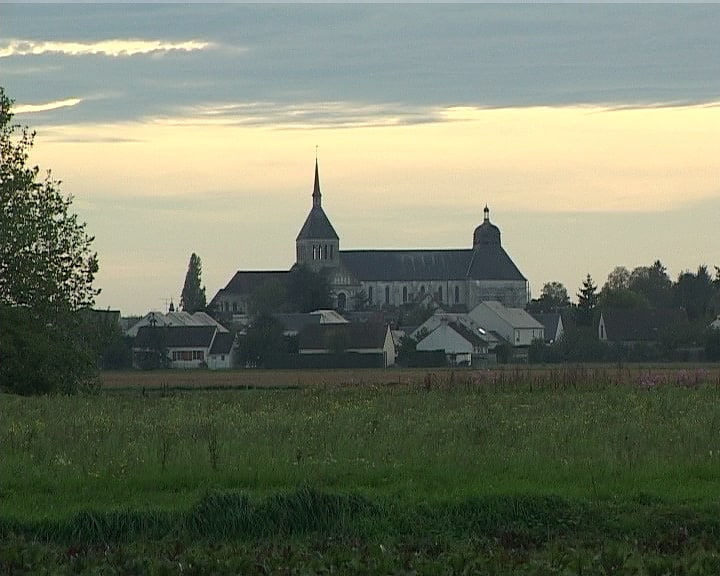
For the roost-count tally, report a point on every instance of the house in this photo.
(460, 277)
(180, 346)
(359, 338)
(460, 344)
(181, 318)
(514, 325)
(552, 325)
(221, 352)
(633, 326)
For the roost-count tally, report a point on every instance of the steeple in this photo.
(317, 244)
(317, 196)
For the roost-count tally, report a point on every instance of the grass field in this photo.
(518, 469)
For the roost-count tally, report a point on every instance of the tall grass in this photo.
(598, 434)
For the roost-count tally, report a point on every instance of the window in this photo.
(331, 251)
(325, 254)
(387, 294)
(457, 294)
(405, 294)
(234, 306)
(198, 355)
(370, 294)
(440, 293)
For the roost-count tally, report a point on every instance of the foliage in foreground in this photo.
(311, 532)
(47, 269)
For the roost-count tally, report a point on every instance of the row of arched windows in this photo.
(405, 294)
(322, 252)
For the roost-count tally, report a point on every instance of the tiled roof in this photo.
(223, 343)
(550, 321)
(245, 282)
(176, 336)
(482, 263)
(468, 334)
(317, 226)
(357, 336)
(622, 325)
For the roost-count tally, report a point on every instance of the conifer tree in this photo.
(193, 295)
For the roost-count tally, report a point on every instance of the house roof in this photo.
(485, 262)
(223, 343)
(515, 317)
(174, 319)
(550, 321)
(468, 334)
(176, 336)
(625, 325)
(364, 335)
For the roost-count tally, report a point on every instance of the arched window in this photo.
(342, 301)
(422, 290)
(331, 251)
(370, 294)
(387, 294)
(440, 293)
(325, 252)
(405, 294)
(457, 294)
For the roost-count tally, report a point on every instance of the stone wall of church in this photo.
(510, 293)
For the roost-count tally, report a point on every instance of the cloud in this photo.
(30, 108)
(305, 115)
(115, 47)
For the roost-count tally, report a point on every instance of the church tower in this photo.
(317, 245)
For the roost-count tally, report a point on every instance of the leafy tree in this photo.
(47, 269)
(618, 279)
(308, 290)
(193, 298)
(554, 297)
(587, 302)
(694, 293)
(262, 338)
(46, 260)
(653, 283)
(268, 298)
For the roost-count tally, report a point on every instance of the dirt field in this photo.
(257, 378)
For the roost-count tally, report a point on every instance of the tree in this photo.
(47, 269)
(653, 283)
(694, 293)
(192, 298)
(587, 302)
(46, 260)
(554, 297)
(262, 338)
(268, 298)
(308, 290)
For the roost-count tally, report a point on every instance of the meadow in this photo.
(394, 470)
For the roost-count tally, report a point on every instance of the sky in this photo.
(592, 132)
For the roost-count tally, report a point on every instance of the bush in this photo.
(41, 358)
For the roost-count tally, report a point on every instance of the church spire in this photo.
(317, 196)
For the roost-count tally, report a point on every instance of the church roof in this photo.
(317, 225)
(247, 281)
(489, 262)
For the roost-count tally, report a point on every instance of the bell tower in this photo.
(317, 245)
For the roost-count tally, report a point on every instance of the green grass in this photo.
(517, 459)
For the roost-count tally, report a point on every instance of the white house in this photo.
(513, 324)
(459, 343)
(182, 346)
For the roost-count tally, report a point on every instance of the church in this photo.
(454, 278)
